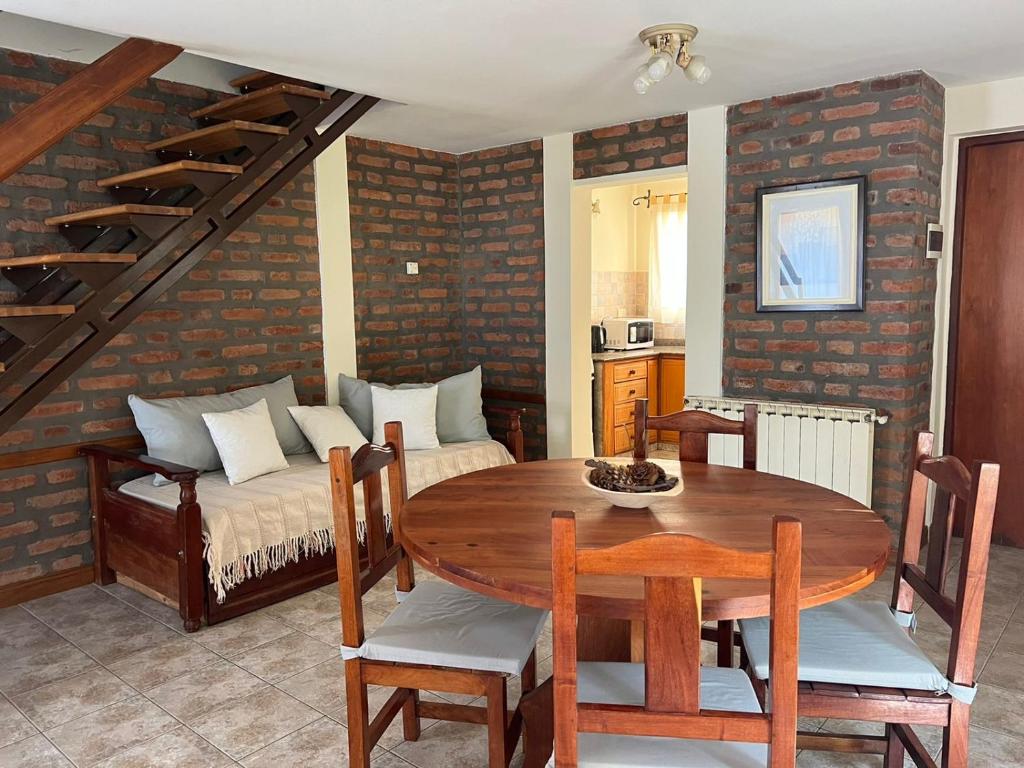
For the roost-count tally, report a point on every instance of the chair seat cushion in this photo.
(621, 683)
(850, 642)
(442, 625)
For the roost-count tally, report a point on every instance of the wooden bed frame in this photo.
(161, 551)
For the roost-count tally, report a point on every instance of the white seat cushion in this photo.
(621, 683)
(443, 625)
(850, 642)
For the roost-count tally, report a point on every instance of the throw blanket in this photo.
(264, 523)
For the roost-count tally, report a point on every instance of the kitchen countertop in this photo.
(631, 354)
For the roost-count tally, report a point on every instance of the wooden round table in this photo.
(490, 531)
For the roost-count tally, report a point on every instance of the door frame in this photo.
(964, 145)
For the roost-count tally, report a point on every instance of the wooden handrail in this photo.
(52, 116)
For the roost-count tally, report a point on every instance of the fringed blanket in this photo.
(264, 523)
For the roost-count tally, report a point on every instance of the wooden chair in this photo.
(606, 713)
(858, 660)
(693, 428)
(439, 638)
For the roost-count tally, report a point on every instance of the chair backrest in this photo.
(358, 571)
(955, 485)
(693, 428)
(672, 566)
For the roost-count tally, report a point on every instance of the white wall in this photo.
(705, 248)
(971, 110)
(335, 239)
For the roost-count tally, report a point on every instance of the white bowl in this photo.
(637, 500)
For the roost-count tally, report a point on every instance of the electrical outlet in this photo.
(412, 268)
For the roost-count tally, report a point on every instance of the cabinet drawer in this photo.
(630, 370)
(623, 439)
(624, 413)
(630, 390)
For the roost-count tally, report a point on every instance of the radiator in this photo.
(826, 445)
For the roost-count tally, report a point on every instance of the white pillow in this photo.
(246, 441)
(326, 426)
(415, 408)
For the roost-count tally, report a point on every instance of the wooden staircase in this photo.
(161, 223)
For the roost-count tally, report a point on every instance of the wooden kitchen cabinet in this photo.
(671, 389)
(622, 383)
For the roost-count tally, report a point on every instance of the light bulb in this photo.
(643, 81)
(698, 70)
(659, 66)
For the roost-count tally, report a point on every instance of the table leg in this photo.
(597, 639)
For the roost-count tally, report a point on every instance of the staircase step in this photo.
(217, 138)
(255, 81)
(23, 310)
(117, 215)
(267, 102)
(57, 259)
(169, 175)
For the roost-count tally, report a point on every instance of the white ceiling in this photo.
(466, 74)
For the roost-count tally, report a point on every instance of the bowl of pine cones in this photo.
(630, 483)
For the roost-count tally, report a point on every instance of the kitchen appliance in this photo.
(629, 332)
(598, 336)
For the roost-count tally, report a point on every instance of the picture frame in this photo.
(810, 246)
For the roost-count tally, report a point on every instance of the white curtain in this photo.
(667, 263)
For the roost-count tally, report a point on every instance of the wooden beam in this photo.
(52, 116)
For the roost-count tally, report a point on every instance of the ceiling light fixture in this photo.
(669, 43)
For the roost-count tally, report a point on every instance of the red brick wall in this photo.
(639, 146)
(250, 313)
(404, 206)
(474, 223)
(502, 213)
(888, 129)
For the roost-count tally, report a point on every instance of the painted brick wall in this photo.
(250, 313)
(404, 206)
(501, 194)
(888, 129)
(639, 146)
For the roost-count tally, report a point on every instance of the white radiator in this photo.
(826, 445)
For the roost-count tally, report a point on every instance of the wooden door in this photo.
(985, 386)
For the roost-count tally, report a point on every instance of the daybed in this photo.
(219, 551)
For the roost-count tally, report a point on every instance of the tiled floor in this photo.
(105, 677)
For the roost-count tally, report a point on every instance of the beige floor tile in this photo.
(72, 698)
(22, 634)
(241, 634)
(178, 748)
(321, 687)
(321, 744)
(1012, 639)
(25, 672)
(285, 656)
(243, 726)
(988, 748)
(305, 610)
(109, 640)
(329, 631)
(33, 752)
(165, 614)
(1005, 670)
(389, 760)
(101, 735)
(151, 667)
(13, 725)
(393, 735)
(447, 745)
(73, 607)
(998, 709)
(190, 696)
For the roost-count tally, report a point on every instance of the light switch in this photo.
(412, 268)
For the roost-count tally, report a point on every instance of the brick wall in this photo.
(501, 194)
(639, 146)
(888, 129)
(474, 224)
(404, 206)
(250, 313)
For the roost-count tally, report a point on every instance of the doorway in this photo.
(985, 373)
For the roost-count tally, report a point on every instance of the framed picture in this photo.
(810, 246)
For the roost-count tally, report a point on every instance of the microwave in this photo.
(629, 332)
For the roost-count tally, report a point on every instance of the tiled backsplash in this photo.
(624, 294)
